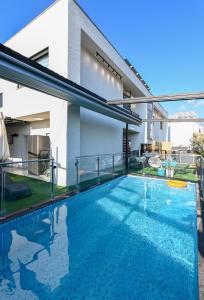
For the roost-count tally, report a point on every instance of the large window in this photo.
(41, 58)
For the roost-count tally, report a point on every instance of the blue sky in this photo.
(162, 39)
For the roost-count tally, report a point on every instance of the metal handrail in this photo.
(25, 161)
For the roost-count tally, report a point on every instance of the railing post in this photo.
(77, 173)
(52, 178)
(98, 169)
(113, 165)
(2, 214)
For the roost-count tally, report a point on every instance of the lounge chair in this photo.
(14, 190)
(182, 168)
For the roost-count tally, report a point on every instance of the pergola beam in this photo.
(163, 98)
(199, 120)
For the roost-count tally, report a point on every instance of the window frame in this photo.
(35, 57)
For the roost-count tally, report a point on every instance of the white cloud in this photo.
(199, 104)
(182, 107)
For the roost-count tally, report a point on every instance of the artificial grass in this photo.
(41, 190)
(188, 174)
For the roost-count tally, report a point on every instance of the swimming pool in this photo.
(131, 238)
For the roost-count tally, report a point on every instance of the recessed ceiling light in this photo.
(38, 119)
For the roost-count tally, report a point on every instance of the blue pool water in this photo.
(131, 238)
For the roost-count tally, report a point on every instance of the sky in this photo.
(162, 39)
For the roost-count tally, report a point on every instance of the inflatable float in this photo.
(177, 183)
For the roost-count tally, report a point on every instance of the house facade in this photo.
(65, 40)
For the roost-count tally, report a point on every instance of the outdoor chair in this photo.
(182, 168)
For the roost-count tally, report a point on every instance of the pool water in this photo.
(131, 238)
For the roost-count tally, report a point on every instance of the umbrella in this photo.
(4, 147)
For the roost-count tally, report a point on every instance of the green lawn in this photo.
(189, 174)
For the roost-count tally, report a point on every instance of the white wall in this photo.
(99, 135)
(98, 79)
(79, 21)
(160, 135)
(50, 29)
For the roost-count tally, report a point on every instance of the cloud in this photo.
(182, 107)
(199, 104)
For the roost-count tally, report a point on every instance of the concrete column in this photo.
(73, 141)
(58, 139)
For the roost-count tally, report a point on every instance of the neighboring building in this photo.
(181, 133)
(65, 40)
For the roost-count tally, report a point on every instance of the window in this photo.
(41, 58)
(161, 125)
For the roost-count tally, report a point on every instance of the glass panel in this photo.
(106, 167)
(119, 164)
(43, 61)
(26, 185)
(88, 174)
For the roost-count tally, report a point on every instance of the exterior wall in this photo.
(160, 135)
(73, 131)
(78, 22)
(50, 29)
(99, 135)
(177, 136)
(95, 77)
(101, 83)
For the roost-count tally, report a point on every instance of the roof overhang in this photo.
(19, 69)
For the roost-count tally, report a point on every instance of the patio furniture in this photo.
(161, 172)
(182, 168)
(14, 190)
(155, 162)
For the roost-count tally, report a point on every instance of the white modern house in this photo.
(181, 133)
(65, 40)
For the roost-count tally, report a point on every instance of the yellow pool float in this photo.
(177, 183)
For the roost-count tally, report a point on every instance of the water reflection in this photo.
(35, 243)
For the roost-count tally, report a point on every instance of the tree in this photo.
(197, 143)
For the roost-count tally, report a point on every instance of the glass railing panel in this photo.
(106, 167)
(87, 171)
(136, 164)
(119, 164)
(25, 185)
